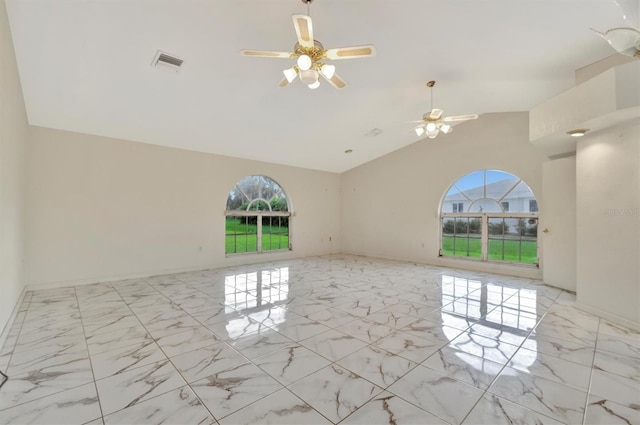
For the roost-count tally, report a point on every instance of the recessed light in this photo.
(348, 151)
(578, 132)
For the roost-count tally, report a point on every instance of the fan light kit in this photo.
(310, 55)
(625, 40)
(433, 122)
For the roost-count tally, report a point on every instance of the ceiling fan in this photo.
(310, 55)
(433, 122)
(625, 40)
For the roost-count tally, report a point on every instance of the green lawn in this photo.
(243, 237)
(471, 247)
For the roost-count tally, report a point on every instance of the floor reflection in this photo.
(496, 320)
(257, 296)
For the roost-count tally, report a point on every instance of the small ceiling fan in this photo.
(310, 55)
(433, 122)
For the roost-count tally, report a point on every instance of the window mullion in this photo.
(485, 238)
(259, 233)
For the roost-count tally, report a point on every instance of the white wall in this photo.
(13, 136)
(608, 223)
(100, 208)
(390, 206)
(559, 206)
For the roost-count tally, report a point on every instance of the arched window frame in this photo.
(258, 238)
(478, 224)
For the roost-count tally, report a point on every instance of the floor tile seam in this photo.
(299, 398)
(15, 342)
(502, 396)
(93, 375)
(122, 348)
(92, 334)
(487, 393)
(186, 385)
(148, 333)
(629, 341)
(57, 392)
(421, 408)
(593, 359)
(218, 419)
(594, 367)
(376, 393)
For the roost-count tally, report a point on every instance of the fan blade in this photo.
(304, 30)
(265, 54)
(436, 114)
(460, 118)
(351, 52)
(335, 81)
(283, 83)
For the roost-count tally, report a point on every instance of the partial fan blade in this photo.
(436, 114)
(351, 52)
(265, 54)
(304, 30)
(284, 83)
(335, 81)
(460, 118)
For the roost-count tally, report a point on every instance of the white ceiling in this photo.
(85, 67)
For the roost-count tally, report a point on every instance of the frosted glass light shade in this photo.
(315, 85)
(309, 76)
(290, 74)
(446, 128)
(328, 71)
(419, 131)
(304, 62)
(431, 127)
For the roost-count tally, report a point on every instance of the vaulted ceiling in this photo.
(85, 66)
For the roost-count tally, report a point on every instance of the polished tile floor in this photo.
(335, 339)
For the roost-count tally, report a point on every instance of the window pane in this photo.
(262, 195)
(519, 198)
(495, 185)
(257, 192)
(461, 237)
(485, 206)
(275, 233)
(513, 239)
(241, 234)
(487, 193)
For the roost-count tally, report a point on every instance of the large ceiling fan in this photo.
(310, 55)
(433, 122)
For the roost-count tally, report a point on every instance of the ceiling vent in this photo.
(167, 61)
(373, 133)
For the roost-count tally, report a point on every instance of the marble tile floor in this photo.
(322, 340)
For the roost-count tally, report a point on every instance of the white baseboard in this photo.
(610, 317)
(526, 271)
(114, 278)
(14, 313)
(231, 261)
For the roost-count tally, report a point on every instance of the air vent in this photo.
(373, 133)
(167, 61)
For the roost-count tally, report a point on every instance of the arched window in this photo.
(490, 215)
(257, 217)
